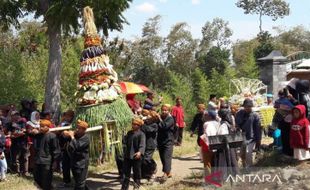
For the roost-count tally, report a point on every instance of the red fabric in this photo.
(132, 103)
(203, 145)
(299, 133)
(178, 114)
(8, 143)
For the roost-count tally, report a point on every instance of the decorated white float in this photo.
(255, 90)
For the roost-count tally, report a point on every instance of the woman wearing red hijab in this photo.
(133, 103)
(299, 133)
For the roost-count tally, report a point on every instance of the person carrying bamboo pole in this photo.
(134, 149)
(78, 149)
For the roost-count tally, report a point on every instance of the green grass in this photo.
(17, 183)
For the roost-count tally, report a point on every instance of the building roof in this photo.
(305, 64)
(275, 55)
(299, 73)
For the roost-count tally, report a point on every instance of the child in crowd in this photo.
(299, 133)
(47, 116)
(67, 118)
(134, 147)
(211, 127)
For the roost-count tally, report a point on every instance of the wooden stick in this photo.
(61, 128)
(96, 128)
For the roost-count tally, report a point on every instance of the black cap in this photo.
(248, 103)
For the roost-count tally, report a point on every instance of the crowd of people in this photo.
(151, 130)
(164, 130)
(27, 146)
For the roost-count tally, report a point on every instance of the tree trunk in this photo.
(52, 87)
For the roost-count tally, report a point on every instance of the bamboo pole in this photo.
(61, 128)
(96, 128)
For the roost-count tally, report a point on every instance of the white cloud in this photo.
(195, 2)
(146, 7)
(163, 1)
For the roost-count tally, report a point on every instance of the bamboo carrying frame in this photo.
(108, 140)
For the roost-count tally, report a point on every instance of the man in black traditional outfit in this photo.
(165, 140)
(78, 149)
(46, 151)
(150, 128)
(134, 148)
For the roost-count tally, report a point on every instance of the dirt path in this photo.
(181, 167)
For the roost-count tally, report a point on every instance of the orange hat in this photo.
(137, 121)
(201, 106)
(168, 106)
(45, 123)
(153, 114)
(145, 112)
(82, 124)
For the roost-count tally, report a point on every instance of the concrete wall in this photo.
(266, 75)
(273, 74)
(279, 76)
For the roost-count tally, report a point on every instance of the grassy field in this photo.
(19, 183)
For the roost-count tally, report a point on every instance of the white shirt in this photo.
(212, 106)
(211, 128)
(223, 129)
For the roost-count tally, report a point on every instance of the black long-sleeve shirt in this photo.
(150, 131)
(133, 142)
(197, 123)
(165, 131)
(250, 124)
(46, 148)
(79, 151)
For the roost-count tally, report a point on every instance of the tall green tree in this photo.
(266, 45)
(180, 86)
(217, 58)
(215, 33)
(273, 8)
(244, 59)
(220, 83)
(200, 86)
(62, 17)
(293, 40)
(146, 60)
(180, 48)
(22, 63)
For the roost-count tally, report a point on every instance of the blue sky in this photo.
(197, 12)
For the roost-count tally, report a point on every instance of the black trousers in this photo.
(20, 157)
(165, 153)
(43, 176)
(285, 138)
(149, 166)
(80, 175)
(136, 166)
(180, 135)
(66, 167)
